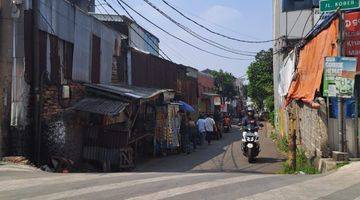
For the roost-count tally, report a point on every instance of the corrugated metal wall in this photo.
(142, 42)
(152, 71)
(71, 24)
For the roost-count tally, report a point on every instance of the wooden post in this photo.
(292, 138)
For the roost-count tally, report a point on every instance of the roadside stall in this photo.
(122, 123)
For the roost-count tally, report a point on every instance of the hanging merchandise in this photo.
(173, 129)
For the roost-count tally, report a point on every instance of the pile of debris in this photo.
(18, 160)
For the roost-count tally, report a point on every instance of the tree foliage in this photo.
(224, 84)
(261, 85)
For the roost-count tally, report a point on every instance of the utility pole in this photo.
(341, 129)
(36, 82)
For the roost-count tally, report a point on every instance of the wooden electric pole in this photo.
(292, 137)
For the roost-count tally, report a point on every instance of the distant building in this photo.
(138, 37)
(207, 96)
(86, 5)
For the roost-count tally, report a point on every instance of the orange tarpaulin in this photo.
(310, 68)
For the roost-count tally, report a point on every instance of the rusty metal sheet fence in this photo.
(152, 71)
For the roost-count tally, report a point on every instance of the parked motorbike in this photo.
(250, 141)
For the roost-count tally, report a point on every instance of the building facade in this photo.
(137, 36)
(298, 79)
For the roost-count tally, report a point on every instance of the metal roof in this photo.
(129, 91)
(210, 94)
(108, 18)
(100, 106)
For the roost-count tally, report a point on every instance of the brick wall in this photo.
(61, 127)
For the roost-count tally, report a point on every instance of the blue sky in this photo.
(249, 20)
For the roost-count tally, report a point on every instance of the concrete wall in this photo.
(312, 127)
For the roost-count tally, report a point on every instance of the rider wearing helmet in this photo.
(250, 116)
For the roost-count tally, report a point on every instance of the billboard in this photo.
(293, 5)
(339, 76)
(351, 43)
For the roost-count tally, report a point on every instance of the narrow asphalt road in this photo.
(213, 172)
(15, 184)
(224, 155)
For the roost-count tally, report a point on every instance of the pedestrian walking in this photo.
(210, 127)
(201, 129)
(218, 123)
(193, 131)
(184, 133)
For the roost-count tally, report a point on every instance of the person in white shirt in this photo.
(201, 129)
(209, 127)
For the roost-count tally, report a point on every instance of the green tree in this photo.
(224, 84)
(261, 84)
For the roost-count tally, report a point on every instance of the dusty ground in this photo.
(221, 156)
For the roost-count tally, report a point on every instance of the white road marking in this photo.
(101, 188)
(51, 180)
(197, 187)
(312, 189)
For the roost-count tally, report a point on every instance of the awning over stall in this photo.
(129, 92)
(209, 95)
(100, 106)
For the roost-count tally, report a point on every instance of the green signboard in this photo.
(333, 5)
(339, 76)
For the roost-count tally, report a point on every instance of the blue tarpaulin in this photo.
(349, 108)
(186, 107)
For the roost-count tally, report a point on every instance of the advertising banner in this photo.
(339, 76)
(352, 36)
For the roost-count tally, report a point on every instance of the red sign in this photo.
(352, 36)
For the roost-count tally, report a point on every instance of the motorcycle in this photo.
(250, 141)
(227, 124)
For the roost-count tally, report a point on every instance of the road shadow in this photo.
(269, 160)
(211, 158)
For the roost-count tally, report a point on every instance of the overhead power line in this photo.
(172, 35)
(217, 33)
(151, 46)
(296, 21)
(196, 35)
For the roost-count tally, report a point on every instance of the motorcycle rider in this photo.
(250, 116)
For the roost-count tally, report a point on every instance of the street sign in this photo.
(333, 5)
(339, 76)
